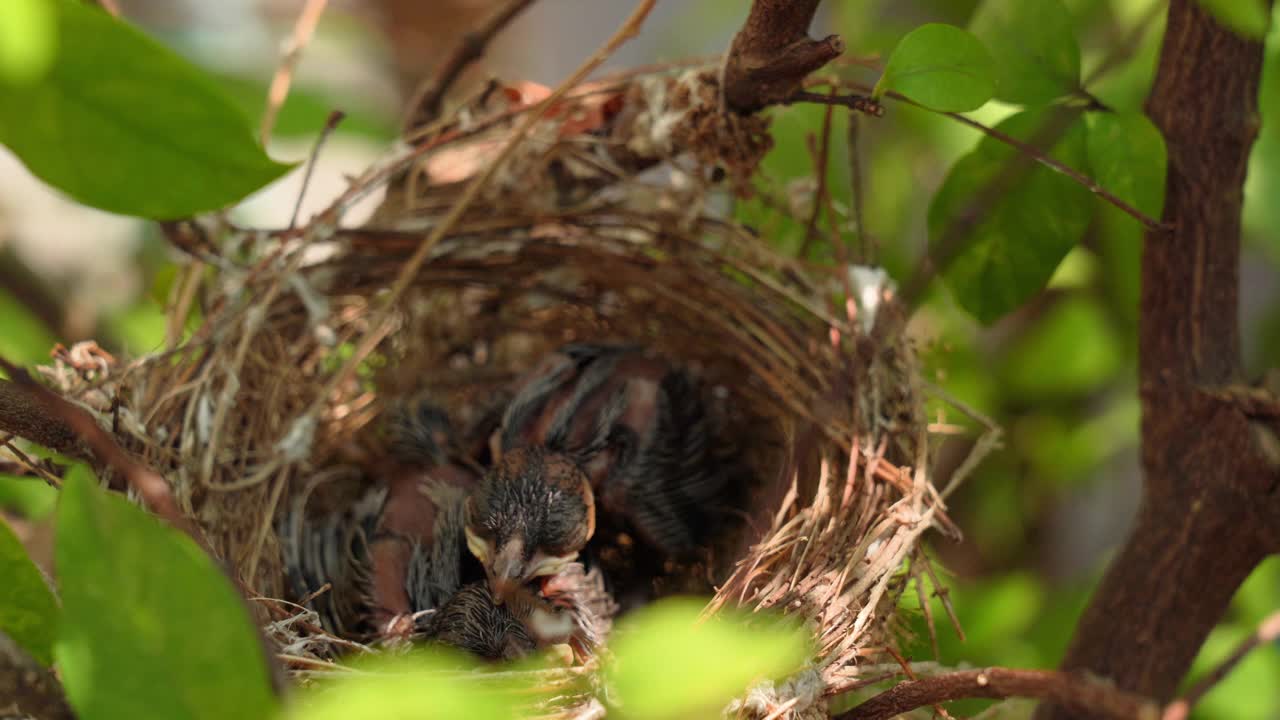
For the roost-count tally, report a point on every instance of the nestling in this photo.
(529, 518)
(637, 428)
(396, 552)
(576, 611)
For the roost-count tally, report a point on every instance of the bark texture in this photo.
(1211, 498)
(773, 53)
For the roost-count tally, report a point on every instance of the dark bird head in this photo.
(532, 514)
(471, 621)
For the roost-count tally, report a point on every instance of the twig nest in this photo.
(571, 240)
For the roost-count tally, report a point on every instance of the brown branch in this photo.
(425, 107)
(49, 413)
(1211, 501)
(26, 688)
(1078, 692)
(772, 53)
(155, 492)
(22, 414)
(1268, 631)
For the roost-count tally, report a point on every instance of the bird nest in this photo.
(509, 228)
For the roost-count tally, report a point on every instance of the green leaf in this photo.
(151, 627)
(27, 40)
(667, 665)
(1127, 157)
(123, 124)
(25, 340)
(1071, 350)
(30, 497)
(941, 67)
(28, 611)
(1246, 17)
(1020, 236)
(1034, 46)
(428, 683)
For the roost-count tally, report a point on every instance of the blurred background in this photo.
(1041, 515)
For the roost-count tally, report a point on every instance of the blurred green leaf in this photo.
(941, 67)
(1022, 235)
(141, 326)
(25, 340)
(1250, 691)
(28, 40)
(1127, 157)
(1002, 609)
(1070, 350)
(30, 497)
(667, 665)
(306, 110)
(28, 611)
(1034, 46)
(1246, 17)
(123, 124)
(425, 684)
(151, 627)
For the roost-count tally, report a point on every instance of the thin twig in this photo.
(1268, 631)
(866, 245)
(1046, 160)
(951, 242)
(330, 125)
(1079, 692)
(381, 323)
(858, 102)
(303, 29)
(425, 107)
(820, 169)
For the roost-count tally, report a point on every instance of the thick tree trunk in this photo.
(1211, 505)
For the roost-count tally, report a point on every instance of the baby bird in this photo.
(529, 518)
(473, 622)
(638, 430)
(576, 611)
(395, 553)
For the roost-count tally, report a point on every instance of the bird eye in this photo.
(478, 546)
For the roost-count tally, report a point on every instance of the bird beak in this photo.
(507, 570)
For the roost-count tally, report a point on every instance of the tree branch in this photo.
(1079, 692)
(426, 103)
(772, 53)
(1211, 500)
(49, 417)
(23, 415)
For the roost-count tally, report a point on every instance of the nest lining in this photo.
(576, 238)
